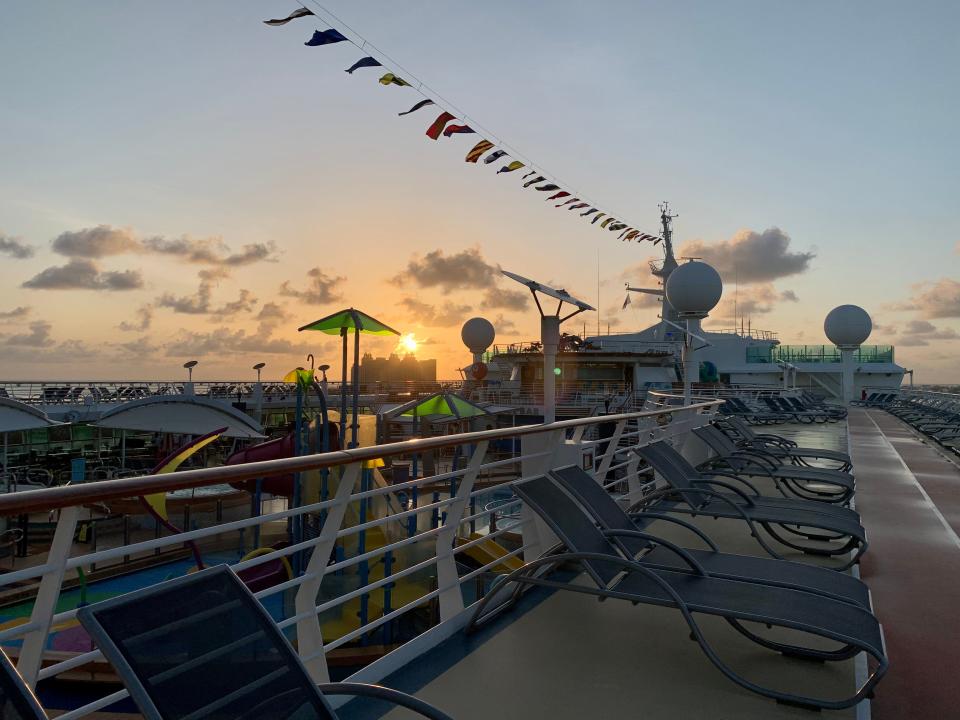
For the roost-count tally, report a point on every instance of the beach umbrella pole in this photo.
(343, 391)
(355, 425)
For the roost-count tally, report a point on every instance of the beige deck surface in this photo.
(574, 657)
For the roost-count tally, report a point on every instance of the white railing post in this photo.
(309, 634)
(612, 444)
(450, 597)
(44, 607)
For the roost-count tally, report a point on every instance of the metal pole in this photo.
(846, 361)
(550, 339)
(355, 426)
(686, 360)
(343, 391)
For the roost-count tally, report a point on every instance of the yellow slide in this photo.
(489, 551)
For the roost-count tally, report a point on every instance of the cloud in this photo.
(18, 313)
(751, 300)
(39, 336)
(504, 325)
(209, 251)
(106, 240)
(225, 340)
(144, 320)
(96, 242)
(79, 274)
(934, 300)
(751, 257)
(448, 315)
(918, 333)
(14, 247)
(506, 299)
(321, 289)
(465, 269)
(200, 303)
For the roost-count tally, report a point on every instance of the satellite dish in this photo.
(190, 364)
(694, 289)
(259, 366)
(847, 326)
(477, 334)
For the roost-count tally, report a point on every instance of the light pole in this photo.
(550, 336)
(258, 391)
(847, 327)
(189, 365)
(693, 289)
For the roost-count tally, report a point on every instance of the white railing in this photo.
(439, 529)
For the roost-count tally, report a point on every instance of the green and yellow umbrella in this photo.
(341, 323)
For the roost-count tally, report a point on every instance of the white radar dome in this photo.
(477, 334)
(694, 288)
(847, 326)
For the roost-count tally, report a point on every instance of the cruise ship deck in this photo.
(561, 654)
(565, 655)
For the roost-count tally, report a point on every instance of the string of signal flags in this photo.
(448, 124)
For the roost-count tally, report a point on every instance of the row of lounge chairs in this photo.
(622, 557)
(938, 418)
(876, 399)
(773, 410)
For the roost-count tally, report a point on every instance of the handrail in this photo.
(28, 501)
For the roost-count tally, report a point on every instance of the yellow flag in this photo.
(515, 165)
(391, 79)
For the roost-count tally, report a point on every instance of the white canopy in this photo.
(182, 415)
(15, 415)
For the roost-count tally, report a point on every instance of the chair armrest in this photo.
(384, 693)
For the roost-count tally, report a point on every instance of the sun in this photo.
(408, 343)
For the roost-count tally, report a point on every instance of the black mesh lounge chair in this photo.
(833, 411)
(780, 446)
(691, 591)
(736, 406)
(16, 700)
(609, 515)
(809, 483)
(202, 647)
(802, 416)
(693, 493)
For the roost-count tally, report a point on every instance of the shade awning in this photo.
(181, 415)
(350, 319)
(441, 404)
(16, 416)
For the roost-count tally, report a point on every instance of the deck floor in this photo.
(908, 494)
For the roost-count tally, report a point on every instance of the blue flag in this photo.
(327, 37)
(362, 63)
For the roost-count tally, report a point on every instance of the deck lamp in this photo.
(847, 327)
(693, 289)
(189, 365)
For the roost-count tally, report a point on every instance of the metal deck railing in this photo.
(447, 521)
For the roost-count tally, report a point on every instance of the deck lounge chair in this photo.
(781, 446)
(802, 416)
(609, 515)
(809, 483)
(202, 646)
(693, 493)
(692, 591)
(834, 411)
(736, 406)
(16, 700)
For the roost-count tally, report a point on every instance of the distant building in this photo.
(396, 369)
